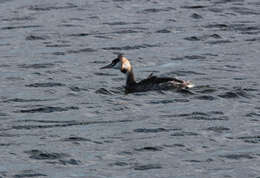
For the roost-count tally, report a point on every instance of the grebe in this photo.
(150, 83)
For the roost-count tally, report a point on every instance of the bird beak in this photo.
(109, 66)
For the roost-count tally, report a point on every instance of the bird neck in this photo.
(130, 78)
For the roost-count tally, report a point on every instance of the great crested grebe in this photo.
(150, 83)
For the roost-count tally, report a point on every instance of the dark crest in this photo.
(119, 54)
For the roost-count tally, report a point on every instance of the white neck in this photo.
(130, 78)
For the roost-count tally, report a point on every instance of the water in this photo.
(63, 117)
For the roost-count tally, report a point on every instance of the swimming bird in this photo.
(150, 83)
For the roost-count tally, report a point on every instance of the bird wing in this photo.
(154, 79)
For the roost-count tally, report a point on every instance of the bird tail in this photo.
(188, 84)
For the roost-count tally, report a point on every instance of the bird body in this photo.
(150, 83)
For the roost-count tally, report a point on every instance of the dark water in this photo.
(60, 116)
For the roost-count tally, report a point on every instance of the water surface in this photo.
(63, 117)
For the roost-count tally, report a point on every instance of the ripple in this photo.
(192, 38)
(243, 27)
(104, 74)
(7, 144)
(36, 66)
(125, 153)
(207, 118)
(195, 57)
(156, 10)
(44, 121)
(201, 116)
(25, 18)
(84, 50)
(147, 167)
(206, 97)
(103, 91)
(50, 7)
(121, 0)
(183, 133)
(177, 58)
(216, 36)
(20, 27)
(174, 145)
(194, 7)
(115, 23)
(102, 37)
(205, 37)
(227, 1)
(119, 163)
(196, 16)
(48, 109)
(239, 27)
(150, 148)
(250, 139)
(3, 114)
(58, 53)
(163, 31)
(4, 65)
(61, 124)
(69, 25)
(28, 173)
(33, 37)
(216, 25)
(199, 161)
(254, 115)
(57, 45)
(66, 162)
(244, 11)
(80, 139)
(75, 138)
(127, 31)
(218, 129)
(131, 47)
(236, 93)
(2, 134)
(238, 156)
(253, 39)
(219, 42)
(20, 100)
(44, 155)
(77, 89)
(154, 130)
(189, 114)
(48, 84)
(79, 34)
(165, 101)
(216, 112)
(186, 72)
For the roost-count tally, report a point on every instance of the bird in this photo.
(150, 83)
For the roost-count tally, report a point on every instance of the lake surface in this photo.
(61, 116)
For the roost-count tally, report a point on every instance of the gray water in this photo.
(61, 116)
